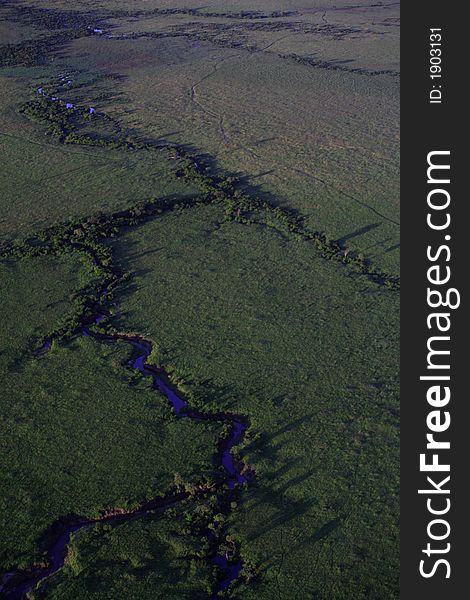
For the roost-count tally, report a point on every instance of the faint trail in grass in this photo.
(193, 96)
(345, 194)
(72, 150)
(220, 117)
(244, 148)
(276, 41)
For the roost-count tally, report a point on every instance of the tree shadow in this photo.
(358, 232)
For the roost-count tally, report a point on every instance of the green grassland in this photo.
(80, 433)
(255, 311)
(253, 321)
(151, 558)
(34, 296)
(43, 182)
(14, 33)
(319, 140)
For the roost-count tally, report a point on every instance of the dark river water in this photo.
(16, 588)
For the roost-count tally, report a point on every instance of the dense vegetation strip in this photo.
(66, 125)
(66, 25)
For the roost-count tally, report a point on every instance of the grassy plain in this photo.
(308, 136)
(257, 323)
(34, 296)
(43, 182)
(14, 33)
(80, 433)
(320, 141)
(252, 318)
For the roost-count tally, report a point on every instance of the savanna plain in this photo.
(199, 292)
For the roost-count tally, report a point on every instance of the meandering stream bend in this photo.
(17, 588)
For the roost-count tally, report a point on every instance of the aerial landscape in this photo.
(199, 299)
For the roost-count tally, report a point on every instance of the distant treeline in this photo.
(34, 52)
(49, 18)
(196, 12)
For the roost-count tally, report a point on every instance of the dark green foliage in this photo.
(152, 558)
(34, 52)
(48, 18)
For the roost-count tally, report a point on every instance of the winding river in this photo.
(16, 584)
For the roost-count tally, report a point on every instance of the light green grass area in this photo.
(320, 141)
(43, 182)
(259, 324)
(80, 433)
